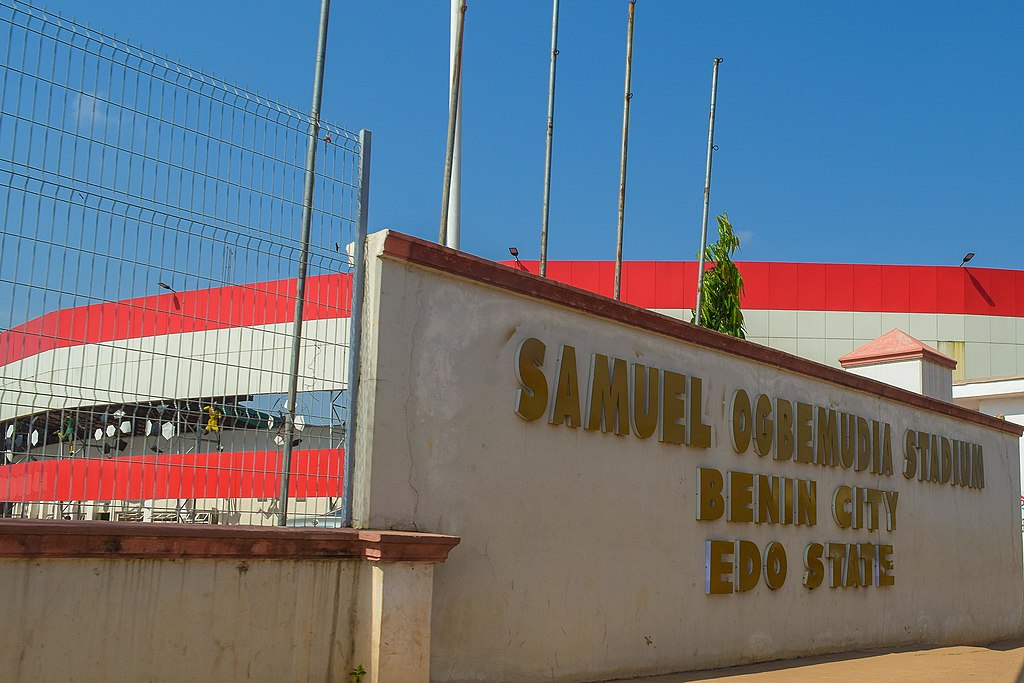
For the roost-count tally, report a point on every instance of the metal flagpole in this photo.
(625, 146)
(551, 133)
(451, 194)
(707, 194)
(300, 286)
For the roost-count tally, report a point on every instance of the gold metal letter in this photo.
(645, 400)
(716, 567)
(775, 565)
(741, 497)
(566, 409)
(710, 503)
(699, 434)
(784, 429)
(532, 394)
(673, 407)
(739, 418)
(608, 398)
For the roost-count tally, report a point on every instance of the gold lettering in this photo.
(910, 454)
(710, 502)
(532, 394)
(566, 409)
(876, 448)
(814, 572)
(827, 451)
(853, 567)
(848, 440)
(804, 432)
(763, 425)
(784, 429)
(739, 418)
(934, 471)
(673, 406)
(806, 502)
(748, 565)
(873, 499)
(887, 450)
(841, 500)
(885, 575)
(775, 565)
(699, 434)
(977, 468)
(741, 496)
(946, 466)
(890, 498)
(768, 490)
(923, 441)
(836, 553)
(645, 400)
(717, 568)
(608, 398)
(863, 446)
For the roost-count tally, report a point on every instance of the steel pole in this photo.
(551, 134)
(707, 194)
(450, 162)
(300, 281)
(355, 323)
(625, 148)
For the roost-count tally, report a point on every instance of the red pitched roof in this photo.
(892, 346)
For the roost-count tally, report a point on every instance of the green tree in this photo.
(723, 284)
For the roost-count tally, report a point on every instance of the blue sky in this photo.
(848, 132)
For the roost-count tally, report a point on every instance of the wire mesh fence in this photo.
(150, 221)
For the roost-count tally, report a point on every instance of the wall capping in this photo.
(414, 251)
(34, 538)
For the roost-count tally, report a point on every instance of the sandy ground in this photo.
(996, 663)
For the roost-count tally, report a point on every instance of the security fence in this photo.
(150, 226)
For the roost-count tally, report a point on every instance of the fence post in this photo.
(355, 322)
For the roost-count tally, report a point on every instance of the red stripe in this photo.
(808, 286)
(262, 303)
(250, 474)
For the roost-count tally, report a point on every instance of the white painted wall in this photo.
(994, 345)
(581, 558)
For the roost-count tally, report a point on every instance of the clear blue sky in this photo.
(868, 132)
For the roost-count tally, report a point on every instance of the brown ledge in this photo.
(425, 254)
(30, 538)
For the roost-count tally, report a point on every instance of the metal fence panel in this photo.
(150, 218)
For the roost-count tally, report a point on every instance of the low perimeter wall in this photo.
(104, 601)
(636, 495)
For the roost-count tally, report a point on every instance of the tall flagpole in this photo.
(451, 202)
(300, 288)
(707, 194)
(625, 148)
(551, 133)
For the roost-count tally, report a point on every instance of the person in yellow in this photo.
(214, 416)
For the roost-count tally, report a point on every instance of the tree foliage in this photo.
(723, 284)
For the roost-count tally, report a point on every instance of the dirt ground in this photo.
(996, 663)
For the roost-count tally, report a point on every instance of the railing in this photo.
(150, 240)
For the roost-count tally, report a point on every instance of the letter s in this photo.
(532, 395)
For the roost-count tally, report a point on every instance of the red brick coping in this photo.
(435, 257)
(31, 538)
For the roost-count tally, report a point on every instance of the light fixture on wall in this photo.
(967, 258)
(515, 254)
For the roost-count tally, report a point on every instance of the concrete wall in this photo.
(122, 602)
(582, 556)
